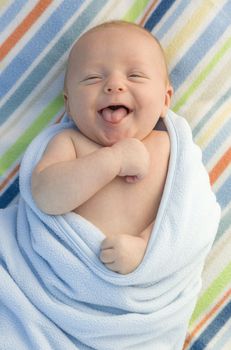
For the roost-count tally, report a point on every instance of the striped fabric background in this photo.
(35, 37)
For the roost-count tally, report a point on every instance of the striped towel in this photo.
(35, 37)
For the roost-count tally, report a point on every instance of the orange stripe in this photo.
(9, 177)
(192, 334)
(220, 166)
(143, 20)
(23, 27)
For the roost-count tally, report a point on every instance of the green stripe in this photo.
(17, 149)
(13, 153)
(215, 289)
(202, 76)
(134, 12)
(224, 224)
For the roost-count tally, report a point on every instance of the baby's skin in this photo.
(113, 165)
(122, 166)
(123, 253)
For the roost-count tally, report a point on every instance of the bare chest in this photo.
(126, 208)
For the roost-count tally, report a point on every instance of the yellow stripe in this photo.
(216, 261)
(211, 92)
(215, 125)
(203, 75)
(3, 3)
(186, 32)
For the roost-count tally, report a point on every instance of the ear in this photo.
(167, 100)
(66, 102)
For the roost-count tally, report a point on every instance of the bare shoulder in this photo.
(60, 148)
(159, 142)
(61, 143)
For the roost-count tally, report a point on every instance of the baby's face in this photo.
(116, 85)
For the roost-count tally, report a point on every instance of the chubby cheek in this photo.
(76, 106)
(157, 103)
(151, 108)
(85, 104)
(150, 114)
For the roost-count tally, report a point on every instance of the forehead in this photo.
(101, 42)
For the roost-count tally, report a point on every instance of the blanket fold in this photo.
(56, 294)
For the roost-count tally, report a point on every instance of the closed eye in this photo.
(91, 79)
(137, 75)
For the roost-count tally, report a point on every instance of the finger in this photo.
(107, 244)
(113, 267)
(107, 256)
(131, 179)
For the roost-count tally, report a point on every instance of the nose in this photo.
(114, 85)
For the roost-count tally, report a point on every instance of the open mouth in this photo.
(114, 108)
(114, 113)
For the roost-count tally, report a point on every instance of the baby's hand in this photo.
(122, 253)
(134, 159)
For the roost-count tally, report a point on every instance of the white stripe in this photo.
(182, 22)
(214, 343)
(31, 32)
(221, 179)
(220, 151)
(165, 18)
(24, 11)
(196, 96)
(113, 11)
(217, 260)
(47, 78)
(26, 115)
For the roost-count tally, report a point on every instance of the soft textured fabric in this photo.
(36, 37)
(56, 294)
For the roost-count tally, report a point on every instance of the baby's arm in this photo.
(61, 181)
(124, 253)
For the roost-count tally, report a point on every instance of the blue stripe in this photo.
(158, 13)
(9, 194)
(10, 13)
(221, 344)
(217, 141)
(50, 59)
(166, 27)
(201, 46)
(224, 194)
(37, 44)
(214, 327)
(204, 119)
(224, 224)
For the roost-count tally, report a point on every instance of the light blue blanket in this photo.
(55, 294)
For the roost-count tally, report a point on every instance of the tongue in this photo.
(114, 116)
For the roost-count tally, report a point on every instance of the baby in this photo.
(111, 169)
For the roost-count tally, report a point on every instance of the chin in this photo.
(110, 143)
(110, 140)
